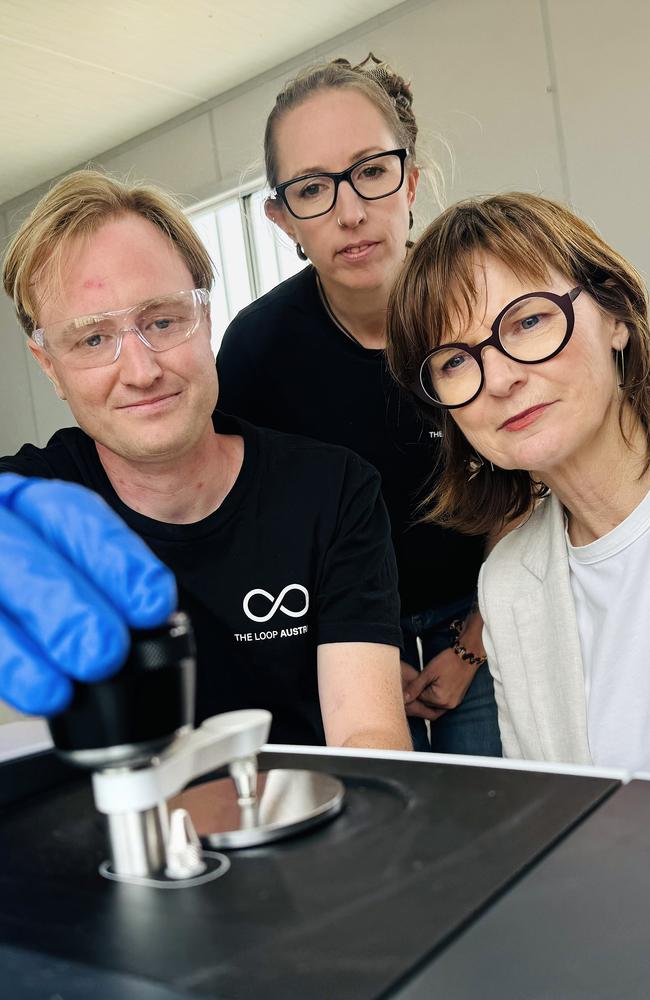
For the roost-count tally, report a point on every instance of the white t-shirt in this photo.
(610, 579)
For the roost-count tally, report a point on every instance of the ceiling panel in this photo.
(78, 77)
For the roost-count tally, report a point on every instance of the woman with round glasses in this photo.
(309, 358)
(526, 338)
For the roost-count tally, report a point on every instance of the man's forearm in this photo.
(381, 739)
(361, 696)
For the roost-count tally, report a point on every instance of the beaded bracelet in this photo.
(456, 627)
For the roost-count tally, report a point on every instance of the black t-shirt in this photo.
(284, 364)
(298, 554)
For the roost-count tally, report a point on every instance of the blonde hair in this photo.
(77, 206)
(437, 287)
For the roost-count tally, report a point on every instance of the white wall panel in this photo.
(17, 419)
(602, 59)
(239, 130)
(29, 408)
(50, 412)
(182, 159)
(480, 80)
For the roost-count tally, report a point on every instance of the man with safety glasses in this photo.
(279, 546)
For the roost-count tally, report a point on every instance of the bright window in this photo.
(250, 255)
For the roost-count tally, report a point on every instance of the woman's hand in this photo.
(442, 684)
(414, 705)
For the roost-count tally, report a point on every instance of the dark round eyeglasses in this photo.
(373, 177)
(530, 329)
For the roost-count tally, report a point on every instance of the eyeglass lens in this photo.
(531, 330)
(374, 178)
(92, 341)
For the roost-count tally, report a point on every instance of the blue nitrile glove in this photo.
(73, 579)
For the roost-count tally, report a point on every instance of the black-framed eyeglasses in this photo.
(373, 177)
(530, 329)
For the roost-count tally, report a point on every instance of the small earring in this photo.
(621, 356)
(301, 253)
(410, 220)
(491, 467)
(474, 466)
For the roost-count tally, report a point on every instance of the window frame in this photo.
(244, 195)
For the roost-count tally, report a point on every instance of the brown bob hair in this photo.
(77, 206)
(437, 289)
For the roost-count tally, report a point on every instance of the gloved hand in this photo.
(73, 579)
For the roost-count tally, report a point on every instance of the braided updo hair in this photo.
(376, 80)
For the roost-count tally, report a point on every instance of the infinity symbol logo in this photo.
(276, 602)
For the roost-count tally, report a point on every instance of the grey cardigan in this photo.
(531, 638)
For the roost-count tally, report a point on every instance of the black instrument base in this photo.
(347, 911)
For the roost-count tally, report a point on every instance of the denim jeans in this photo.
(472, 727)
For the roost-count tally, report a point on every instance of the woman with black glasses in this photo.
(309, 358)
(525, 337)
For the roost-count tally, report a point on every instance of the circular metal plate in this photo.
(288, 802)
